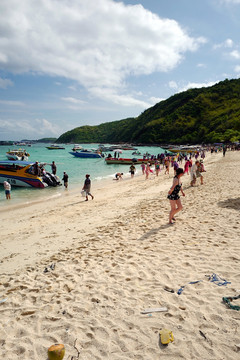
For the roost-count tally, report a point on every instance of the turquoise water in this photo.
(76, 168)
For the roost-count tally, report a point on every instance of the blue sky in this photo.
(68, 63)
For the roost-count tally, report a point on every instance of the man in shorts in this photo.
(7, 188)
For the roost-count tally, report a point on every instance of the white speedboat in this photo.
(17, 154)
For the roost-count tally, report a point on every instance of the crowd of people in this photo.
(190, 164)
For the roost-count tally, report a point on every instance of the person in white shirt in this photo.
(195, 173)
(7, 188)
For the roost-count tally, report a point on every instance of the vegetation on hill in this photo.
(205, 115)
(47, 140)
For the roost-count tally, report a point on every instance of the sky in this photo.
(69, 63)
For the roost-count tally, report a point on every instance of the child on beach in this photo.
(7, 188)
(87, 187)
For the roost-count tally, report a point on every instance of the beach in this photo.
(81, 273)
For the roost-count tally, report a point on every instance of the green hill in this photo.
(205, 115)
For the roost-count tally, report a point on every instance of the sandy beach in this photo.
(115, 256)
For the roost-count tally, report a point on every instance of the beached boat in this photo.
(184, 149)
(55, 147)
(22, 173)
(122, 161)
(86, 153)
(17, 154)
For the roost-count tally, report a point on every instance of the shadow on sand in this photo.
(154, 231)
(230, 204)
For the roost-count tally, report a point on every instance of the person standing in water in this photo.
(87, 187)
(65, 179)
(132, 170)
(54, 168)
(173, 195)
(7, 188)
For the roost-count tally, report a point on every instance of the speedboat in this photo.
(86, 153)
(24, 174)
(55, 147)
(17, 154)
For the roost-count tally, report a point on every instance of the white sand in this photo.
(113, 258)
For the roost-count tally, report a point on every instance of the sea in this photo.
(75, 167)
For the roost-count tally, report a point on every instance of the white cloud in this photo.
(12, 103)
(237, 69)
(96, 43)
(73, 100)
(173, 84)
(235, 54)
(231, 1)
(119, 99)
(197, 85)
(28, 128)
(5, 83)
(154, 100)
(228, 43)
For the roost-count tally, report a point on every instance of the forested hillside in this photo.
(205, 115)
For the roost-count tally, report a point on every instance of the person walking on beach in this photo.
(173, 195)
(54, 168)
(87, 187)
(167, 164)
(196, 173)
(132, 170)
(65, 179)
(7, 188)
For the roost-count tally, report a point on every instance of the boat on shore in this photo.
(55, 147)
(23, 174)
(17, 154)
(86, 153)
(184, 149)
(123, 161)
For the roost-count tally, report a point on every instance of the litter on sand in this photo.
(47, 269)
(218, 280)
(3, 300)
(228, 299)
(166, 336)
(182, 287)
(147, 311)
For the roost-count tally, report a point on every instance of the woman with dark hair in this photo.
(173, 195)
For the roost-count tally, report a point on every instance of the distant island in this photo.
(206, 115)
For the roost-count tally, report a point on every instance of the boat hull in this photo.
(121, 161)
(16, 157)
(86, 155)
(15, 180)
(55, 148)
